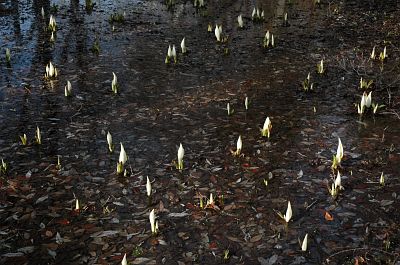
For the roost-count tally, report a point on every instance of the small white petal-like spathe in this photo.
(122, 155)
(217, 33)
(339, 151)
(42, 11)
(51, 71)
(169, 52)
(266, 130)
(148, 187)
(228, 108)
(253, 14)
(152, 219)
(267, 35)
(239, 144)
(363, 101)
(124, 261)
(338, 181)
(114, 83)
(183, 46)
(368, 100)
(267, 124)
(173, 51)
(289, 213)
(272, 40)
(360, 110)
(373, 56)
(8, 54)
(38, 136)
(246, 103)
(77, 207)
(305, 243)
(240, 21)
(52, 39)
(211, 200)
(52, 23)
(109, 141)
(181, 153)
(68, 89)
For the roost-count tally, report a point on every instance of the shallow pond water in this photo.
(160, 106)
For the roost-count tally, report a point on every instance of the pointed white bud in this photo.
(373, 56)
(217, 33)
(152, 218)
(122, 155)
(239, 144)
(183, 46)
(173, 51)
(114, 83)
(51, 71)
(253, 14)
(211, 200)
(109, 141)
(240, 21)
(38, 136)
(68, 89)
(368, 100)
(289, 213)
(124, 261)
(181, 153)
(148, 187)
(339, 151)
(338, 181)
(305, 243)
(169, 52)
(266, 130)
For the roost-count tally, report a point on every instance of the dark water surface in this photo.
(160, 106)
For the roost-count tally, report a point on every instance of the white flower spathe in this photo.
(181, 153)
(122, 155)
(240, 21)
(239, 144)
(183, 46)
(124, 261)
(305, 243)
(289, 213)
(339, 151)
(152, 219)
(148, 187)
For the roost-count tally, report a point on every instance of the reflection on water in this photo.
(160, 106)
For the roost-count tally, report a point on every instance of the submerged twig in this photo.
(362, 249)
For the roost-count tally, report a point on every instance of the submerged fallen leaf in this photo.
(63, 222)
(328, 216)
(213, 245)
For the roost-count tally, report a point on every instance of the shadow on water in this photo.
(160, 106)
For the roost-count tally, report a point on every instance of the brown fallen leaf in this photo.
(234, 239)
(255, 238)
(328, 216)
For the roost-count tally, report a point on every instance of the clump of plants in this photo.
(117, 18)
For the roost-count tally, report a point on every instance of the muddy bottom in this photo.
(62, 201)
